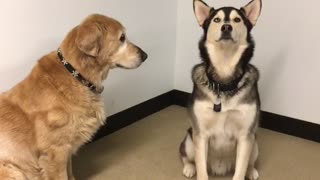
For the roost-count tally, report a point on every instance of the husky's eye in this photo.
(237, 20)
(216, 20)
(123, 37)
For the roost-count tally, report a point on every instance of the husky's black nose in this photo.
(226, 28)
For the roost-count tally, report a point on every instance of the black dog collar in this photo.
(233, 85)
(220, 87)
(77, 75)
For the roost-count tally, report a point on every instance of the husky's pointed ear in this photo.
(252, 11)
(201, 10)
(88, 38)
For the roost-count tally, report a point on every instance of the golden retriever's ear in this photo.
(88, 39)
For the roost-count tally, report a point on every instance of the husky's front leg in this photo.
(201, 151)
(244, 149)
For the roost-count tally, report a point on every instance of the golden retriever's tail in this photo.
(10, 172)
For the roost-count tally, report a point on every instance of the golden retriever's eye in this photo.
(123, 37)
(216, 20)
(237, 20)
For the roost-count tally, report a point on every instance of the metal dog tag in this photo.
(217, 106)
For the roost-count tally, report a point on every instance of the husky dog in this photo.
(225, 104)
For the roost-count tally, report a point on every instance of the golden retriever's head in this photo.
(98, 44)
(105, 38)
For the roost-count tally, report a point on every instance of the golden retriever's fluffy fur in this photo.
(45, 118)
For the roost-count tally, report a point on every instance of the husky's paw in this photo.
(252, 174)
(189, 170)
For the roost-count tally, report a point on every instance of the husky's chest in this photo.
(234, 117)
(223, 127)
(215, 123)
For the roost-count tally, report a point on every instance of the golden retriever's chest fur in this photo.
(71, 125)
(85, 125)
(65, 113)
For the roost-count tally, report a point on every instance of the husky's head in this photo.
(226, 46)
(227, 25)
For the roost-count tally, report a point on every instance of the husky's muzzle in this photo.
(226, 31)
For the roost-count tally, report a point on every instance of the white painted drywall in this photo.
(30, 29)
(287, 54)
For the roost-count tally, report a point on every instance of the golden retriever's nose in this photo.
(143, 55)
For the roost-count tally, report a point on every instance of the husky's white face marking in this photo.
(214, 30)
(240, 32)
(227, 25)
(227, 28)
(226, 46)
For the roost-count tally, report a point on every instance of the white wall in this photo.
(287, 36)
(30, 29)
(287, 54)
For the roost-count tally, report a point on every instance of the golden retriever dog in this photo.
(58, 107)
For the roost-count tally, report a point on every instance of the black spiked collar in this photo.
(225, 87)
(219, 87)
(77, 75)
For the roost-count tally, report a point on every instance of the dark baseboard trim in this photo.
(133, 114)
(269, 120)
(290, 126)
